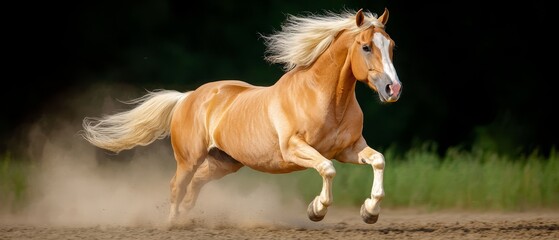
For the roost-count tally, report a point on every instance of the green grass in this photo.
(13, 183)
(458, 180)
(419, 178)
(422, 178)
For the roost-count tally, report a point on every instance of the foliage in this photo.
(460, 179)
(476, 179)
(13, 183)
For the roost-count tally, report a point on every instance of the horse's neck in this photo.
(332, 72)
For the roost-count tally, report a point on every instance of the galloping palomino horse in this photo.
(309, 117)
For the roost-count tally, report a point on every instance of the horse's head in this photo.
(371, 59)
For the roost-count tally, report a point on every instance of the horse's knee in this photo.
(326, 169)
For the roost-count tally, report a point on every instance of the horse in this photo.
(306, 119)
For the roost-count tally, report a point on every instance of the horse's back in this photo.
(217, 97)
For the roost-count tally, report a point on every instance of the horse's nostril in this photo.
(389, 90)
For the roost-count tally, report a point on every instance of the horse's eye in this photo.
(366, 48)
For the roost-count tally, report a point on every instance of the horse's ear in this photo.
(384, 17)
(359, 18)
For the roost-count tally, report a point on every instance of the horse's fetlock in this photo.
(378, 161)
(378, 195)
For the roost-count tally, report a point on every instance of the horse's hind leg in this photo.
(186, 166)
(217, 165)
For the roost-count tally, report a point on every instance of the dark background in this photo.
(474, 73)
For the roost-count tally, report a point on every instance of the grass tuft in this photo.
(13, 183)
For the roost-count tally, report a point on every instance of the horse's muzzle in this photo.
(393, 91)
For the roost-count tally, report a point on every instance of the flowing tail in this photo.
(148, 121)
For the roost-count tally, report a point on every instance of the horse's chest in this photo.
(332, 143)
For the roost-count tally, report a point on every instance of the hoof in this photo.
(313, 215)
(367, 217)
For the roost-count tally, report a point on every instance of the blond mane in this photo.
(303, 38)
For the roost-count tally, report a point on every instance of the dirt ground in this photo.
(338, 224)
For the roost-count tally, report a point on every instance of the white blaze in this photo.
(382, 43)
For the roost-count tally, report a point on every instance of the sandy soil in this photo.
(338, 224)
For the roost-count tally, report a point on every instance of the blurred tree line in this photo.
(472, 74)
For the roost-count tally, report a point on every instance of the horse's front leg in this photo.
(360, 153)
(300, 153)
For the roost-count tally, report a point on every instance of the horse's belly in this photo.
(259, 156)
(273, 163)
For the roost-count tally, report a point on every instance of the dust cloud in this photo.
(73, 183)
